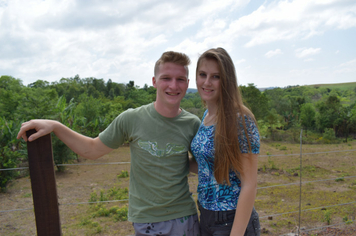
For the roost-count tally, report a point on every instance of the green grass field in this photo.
(341, 86)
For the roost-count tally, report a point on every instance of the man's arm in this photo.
(90, 148)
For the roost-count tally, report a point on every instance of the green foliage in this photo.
(10, 151)
(307, 115)
(10, 94)
(37, 103)
(88, 105)
(100, 210)
(64, 114)
(121, 214)
(112, 194)
(272, 165)
(123, 174)
(26, 195)
(273, 120)
(329, 135)
(347, 220)
(117, 213)
(193, 104)
(93, 197)
(256, 101)
(327, 216)
(340, 179)
(94, 227)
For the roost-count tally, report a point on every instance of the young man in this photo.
(159, 134)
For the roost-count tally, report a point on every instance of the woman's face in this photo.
(208, 81)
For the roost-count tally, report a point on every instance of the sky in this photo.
(272, 43)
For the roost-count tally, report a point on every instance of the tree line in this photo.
(88, 105)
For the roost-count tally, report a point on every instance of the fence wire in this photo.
(124, 163)
(265, 187)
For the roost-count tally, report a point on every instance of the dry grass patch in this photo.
(78, 183)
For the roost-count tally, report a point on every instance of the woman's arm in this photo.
(90, 148)
(247, 194)
(193, 165)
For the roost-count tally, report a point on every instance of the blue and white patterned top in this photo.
(211, 195)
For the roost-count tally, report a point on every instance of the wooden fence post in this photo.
(43, 185)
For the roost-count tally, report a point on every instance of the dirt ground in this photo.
(345, 231)
(75, 186)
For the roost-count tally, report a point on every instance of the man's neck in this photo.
(167, 111)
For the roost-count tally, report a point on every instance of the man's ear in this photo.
(154, 82)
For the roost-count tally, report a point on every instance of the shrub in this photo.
(10, 153)
(329, 135)
(327, 217)
(124, 174)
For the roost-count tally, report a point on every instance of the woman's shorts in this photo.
(219, 223)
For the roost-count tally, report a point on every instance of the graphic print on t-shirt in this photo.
(153, 149)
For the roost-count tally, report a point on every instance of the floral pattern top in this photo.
(211, 195)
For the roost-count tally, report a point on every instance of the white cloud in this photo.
(305, 52)
(347, 67)
(93, 38)
(121, 40)
(240, 61)
(298, 19)
(272, 53)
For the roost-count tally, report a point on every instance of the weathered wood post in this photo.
(43, 185)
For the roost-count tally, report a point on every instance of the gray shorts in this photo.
(185, 226)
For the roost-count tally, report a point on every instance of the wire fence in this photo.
(124, 163)
(300, 182)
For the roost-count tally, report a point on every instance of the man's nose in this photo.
(173, 84)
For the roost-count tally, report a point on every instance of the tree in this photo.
(65, 114)
(307, 116)
(36, 103)
(328, 112)
(273, 120)
(256, 101)
(39, 84)
(10, 150)
(10, 90)
(345, 122)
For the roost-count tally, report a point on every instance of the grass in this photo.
(341, 86)
(283, 199)
(111, 182)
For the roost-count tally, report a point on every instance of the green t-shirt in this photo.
(159, 147)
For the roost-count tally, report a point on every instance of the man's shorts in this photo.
(185, 226)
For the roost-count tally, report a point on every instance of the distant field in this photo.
(342, 86)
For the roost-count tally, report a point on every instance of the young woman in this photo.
(226, 148)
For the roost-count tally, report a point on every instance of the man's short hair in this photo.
(174, 57)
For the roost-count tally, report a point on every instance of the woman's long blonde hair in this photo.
(229, 114)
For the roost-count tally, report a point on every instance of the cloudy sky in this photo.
(272, 43)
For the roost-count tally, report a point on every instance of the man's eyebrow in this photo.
(167, 75)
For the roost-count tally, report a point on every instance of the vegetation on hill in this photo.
(326, 113)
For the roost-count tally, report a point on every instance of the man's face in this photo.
(171, 83)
